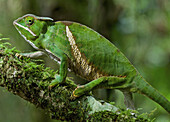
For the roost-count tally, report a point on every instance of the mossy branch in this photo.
(25, 78)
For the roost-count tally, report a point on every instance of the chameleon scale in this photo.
(88, 54)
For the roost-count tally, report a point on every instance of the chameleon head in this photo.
(31, 26)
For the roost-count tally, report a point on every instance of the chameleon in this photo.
(80, 49)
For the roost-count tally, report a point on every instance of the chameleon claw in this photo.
(73, 95)
(53, 84)
(18, 55)
(78, 91)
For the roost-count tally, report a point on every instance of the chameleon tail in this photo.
(145, 88)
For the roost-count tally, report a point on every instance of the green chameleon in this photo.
(91, 56)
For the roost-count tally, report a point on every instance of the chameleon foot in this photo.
(55, 82)
(79, 91)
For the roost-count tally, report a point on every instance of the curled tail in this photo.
(145, 88)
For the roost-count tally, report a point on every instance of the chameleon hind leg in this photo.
(109, 82)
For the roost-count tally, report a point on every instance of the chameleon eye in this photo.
(29, 21)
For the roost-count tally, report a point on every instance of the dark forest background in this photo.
(139, 28)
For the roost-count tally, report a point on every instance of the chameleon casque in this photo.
(88, 54)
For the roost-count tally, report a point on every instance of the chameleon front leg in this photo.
(35, 54)
(62, 72)
(102, 82)
(63, 67)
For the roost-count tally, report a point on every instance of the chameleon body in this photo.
(88, 54)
